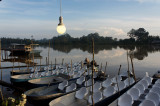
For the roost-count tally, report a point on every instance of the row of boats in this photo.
(69, 85)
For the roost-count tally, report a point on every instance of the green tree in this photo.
(140, 34)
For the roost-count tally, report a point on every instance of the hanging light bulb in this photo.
(61, 29)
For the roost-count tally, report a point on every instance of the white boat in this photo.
(145, 93)
(102, 94)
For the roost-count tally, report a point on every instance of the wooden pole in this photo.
(119, 70)
(71, 64)
(92, 69)
(0, 60)
(1, 94)
(18, 65)
(29, 62)
(55, 62)
(101, 67)
(133, 69)
(105, 69)
(81, 64)
(46, 61)
(40, 63)
(128, 69)
(51, 65)
(117, 85)
(48, 52)
(62, 61)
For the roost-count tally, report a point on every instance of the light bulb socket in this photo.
(60, 20)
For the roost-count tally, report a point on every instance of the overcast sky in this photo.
(23, 18)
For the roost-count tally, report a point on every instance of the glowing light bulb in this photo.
(61, 29)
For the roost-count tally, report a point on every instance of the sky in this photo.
(112, 18)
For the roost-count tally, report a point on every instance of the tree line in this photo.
(136, 37)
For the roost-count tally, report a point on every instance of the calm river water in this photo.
(146, 59)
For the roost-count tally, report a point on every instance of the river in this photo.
(145, 59)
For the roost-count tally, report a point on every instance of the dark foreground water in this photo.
(145, 59)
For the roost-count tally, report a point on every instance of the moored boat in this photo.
(144, 93)
(47, 93)
(31, 70)
(103, 91)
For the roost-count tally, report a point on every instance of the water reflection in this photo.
(139, 52)
(26, 59)
(88, 48)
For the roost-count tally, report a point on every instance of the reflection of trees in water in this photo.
(88, 48)
(139, 52)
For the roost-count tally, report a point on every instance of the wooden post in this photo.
(0, 60)
(62, 61)
(119, 70)
(101, 67)
(117, 85)
(55, 62)
(133, 69)
(46, 61)
(128, 69)
(92, 69)
(1, 94)
(105, 69)
(81, 64)
(48, 52)
(51, 65)
(40, 63)
(18, 65)
(29, 62)
(71, 64)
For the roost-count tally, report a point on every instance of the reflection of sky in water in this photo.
(113, 57)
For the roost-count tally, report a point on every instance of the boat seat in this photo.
(95, 75)
(36, 70)
(156, 85)
(131, 80)
(72, 87)
(61, 71)
(108, 91)
(80, 80)
(43, 74)
(32, 70)
(140, 87)
(46, 68)
(89, 72)
(62, 85)
(155, 90)
(148, 79)
(158, 81)
(107, 83)
(71, 73)
(53, 72)
(121, 86)
(97, 96)
(76, 75)
(89, 82)
(31, 75)
(125, 100)
(80, 94)
(134, 92)
(96, 87)
(147, 103)
(119, 78)
(144, 83)
(36, 75)
(153, 97)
